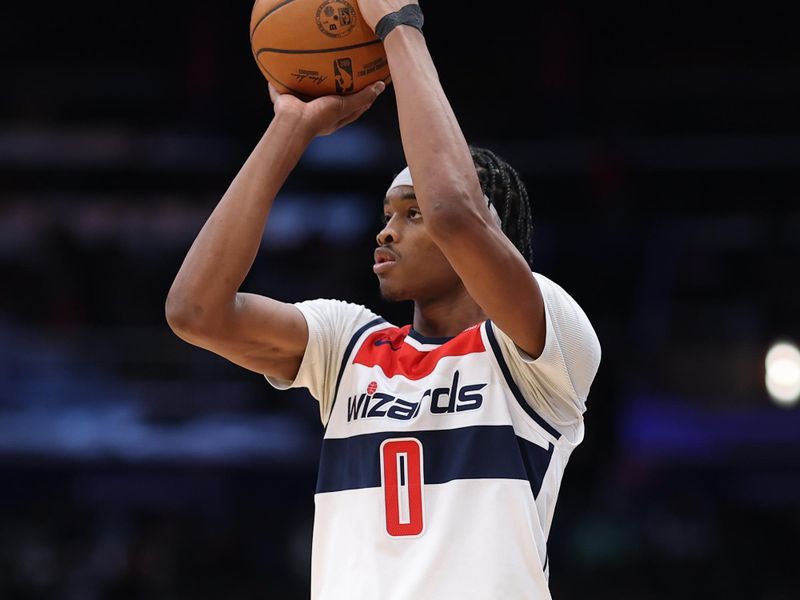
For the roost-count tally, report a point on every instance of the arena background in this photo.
(661, 144)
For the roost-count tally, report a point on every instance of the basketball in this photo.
(313, 48)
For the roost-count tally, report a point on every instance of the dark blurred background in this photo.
(661, 144)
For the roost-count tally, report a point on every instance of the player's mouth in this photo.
(385, 259)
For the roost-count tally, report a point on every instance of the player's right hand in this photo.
(323, 116)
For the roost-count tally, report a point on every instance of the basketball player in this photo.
(445, 440)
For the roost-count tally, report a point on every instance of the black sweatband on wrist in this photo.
(410, 15)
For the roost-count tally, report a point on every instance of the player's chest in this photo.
(458, 393)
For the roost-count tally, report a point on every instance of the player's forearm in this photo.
(434, 144)
(224, 250)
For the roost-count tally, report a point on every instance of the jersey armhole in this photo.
(346, 359)
(512, 385)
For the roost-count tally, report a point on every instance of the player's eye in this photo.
(386, 219)
(414, 213)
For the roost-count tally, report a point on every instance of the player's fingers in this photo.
(363, 98)
(355, 114)
(273, 93)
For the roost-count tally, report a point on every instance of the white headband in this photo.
(404, 178)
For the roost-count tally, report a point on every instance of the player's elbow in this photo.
(176, 315)
(184, 317)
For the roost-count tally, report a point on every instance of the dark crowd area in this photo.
(660, 143)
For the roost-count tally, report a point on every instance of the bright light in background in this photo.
(783, 373)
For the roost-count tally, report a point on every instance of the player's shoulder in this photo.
(338, 315)
(553, 293)
(545, 281)
(334, 305)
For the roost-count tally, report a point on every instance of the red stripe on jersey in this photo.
(387, 349)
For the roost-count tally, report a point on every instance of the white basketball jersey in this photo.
(438, 475)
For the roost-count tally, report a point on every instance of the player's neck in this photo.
(446, 316)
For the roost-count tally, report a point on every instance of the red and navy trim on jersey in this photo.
(347, 352)
(498, 354)
(428, 340)
(477, 452)
(387, 349)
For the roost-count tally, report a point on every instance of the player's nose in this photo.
(388, 235)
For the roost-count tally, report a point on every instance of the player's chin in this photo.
(391, 291)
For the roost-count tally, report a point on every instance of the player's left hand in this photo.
(374, 10)
(324, 115)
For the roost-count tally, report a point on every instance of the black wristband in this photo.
(410, 15)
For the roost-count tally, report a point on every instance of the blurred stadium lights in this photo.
(361, 146)
(120, 431)
(149, 223)
(659, 428)
(662, 153)
(783, 373)
(355, 146)
(107, 147)
(336, 218)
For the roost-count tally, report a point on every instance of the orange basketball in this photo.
(313, 48)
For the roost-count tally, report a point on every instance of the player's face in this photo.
(409, 265)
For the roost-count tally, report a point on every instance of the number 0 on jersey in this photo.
(402, 479)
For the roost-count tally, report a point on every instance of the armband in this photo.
(410, 15)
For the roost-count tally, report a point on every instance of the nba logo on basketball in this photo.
(343, 72)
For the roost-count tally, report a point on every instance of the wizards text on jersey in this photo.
(439, 401)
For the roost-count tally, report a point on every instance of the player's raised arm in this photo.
(204, 305)
(493, 271)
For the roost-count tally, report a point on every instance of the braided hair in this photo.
(503, 186)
